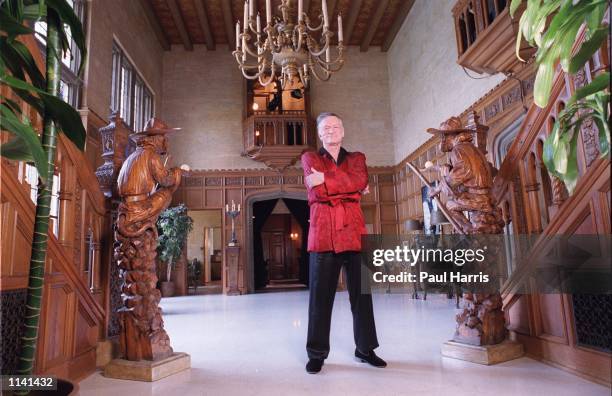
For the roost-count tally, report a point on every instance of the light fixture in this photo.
(294, 236)
(255, 106)
(285, 50)
(256, 133)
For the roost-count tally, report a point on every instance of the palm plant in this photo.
(552, 26)
(173, 226)
(19, 72)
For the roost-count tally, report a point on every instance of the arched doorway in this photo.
(263, 203)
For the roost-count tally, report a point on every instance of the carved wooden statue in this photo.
(467, 182)
(146, 188)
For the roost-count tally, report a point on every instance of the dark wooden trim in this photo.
(397, 24)
(204, 24)
(374, 23)
(306, 6)
(228, 22)
(180, 24)
(150, 15)
(355, 7)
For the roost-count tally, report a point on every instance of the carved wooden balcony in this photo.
(278, 139)
(486, 36)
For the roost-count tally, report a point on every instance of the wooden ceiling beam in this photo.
(154, 22)
(180, 24)
(204, 24)
(397, 24)
(355, 7)
(374, 24)
(228, 21)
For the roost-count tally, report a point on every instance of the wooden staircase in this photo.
(538, 205)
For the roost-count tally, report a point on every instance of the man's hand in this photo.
(445, 169)
(433, 192)
(365, 191)
(315, 178)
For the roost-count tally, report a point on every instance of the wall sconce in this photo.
(255, 106)
(294, 236)
(256, 133)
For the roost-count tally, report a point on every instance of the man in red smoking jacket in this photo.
(335, 180)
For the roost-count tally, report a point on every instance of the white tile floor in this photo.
(255, 345)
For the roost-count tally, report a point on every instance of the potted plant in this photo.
(40, 90)
(173, 225)
(552, 26)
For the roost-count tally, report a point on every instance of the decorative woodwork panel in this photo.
(591, 330)
(214, 198)
(551, 315)
(86, 333)
(387, 193)
(388, 229)
(388, 213)
(12, 314)
(518, 315)
(193, 197)
(59, 303)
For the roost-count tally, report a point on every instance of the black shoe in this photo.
(314, 366)
(370, 358)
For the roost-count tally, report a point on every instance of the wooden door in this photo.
(276, 256)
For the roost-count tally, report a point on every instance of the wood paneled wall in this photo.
(215, 188)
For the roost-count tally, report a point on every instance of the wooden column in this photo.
(232, 255)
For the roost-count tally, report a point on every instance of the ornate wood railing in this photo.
(538, 204)
(73, 316)
(486, 36)
(277, 139)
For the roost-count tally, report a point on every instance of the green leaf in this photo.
(560, 155)
(27, 135)
(20, 57)
(599, 83)
(14, 106)
(68, 17)
(67, 118)
(588, 49)
(604, 137)
(543, 83)
(566, 43)
(11, 26)
(550, 145)
(570, 176)
(35, 11)
(595, 17)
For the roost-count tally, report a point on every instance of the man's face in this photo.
(446, 143)
(331, 131)
(161, 145)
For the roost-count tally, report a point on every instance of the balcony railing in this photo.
(486, 36)
(277, 139)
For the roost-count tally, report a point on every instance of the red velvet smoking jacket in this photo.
(336, 219)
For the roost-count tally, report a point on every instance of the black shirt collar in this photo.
(341, 154)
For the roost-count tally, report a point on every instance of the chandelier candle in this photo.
(287, 50)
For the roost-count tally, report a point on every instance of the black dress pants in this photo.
(324, 272)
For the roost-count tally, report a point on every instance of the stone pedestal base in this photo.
(485, 354)
(146, 370)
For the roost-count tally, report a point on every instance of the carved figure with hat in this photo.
(466, 180)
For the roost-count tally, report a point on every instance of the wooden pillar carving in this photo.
(232, 254)
(114, 138)
(467, 182)
(146, 189)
